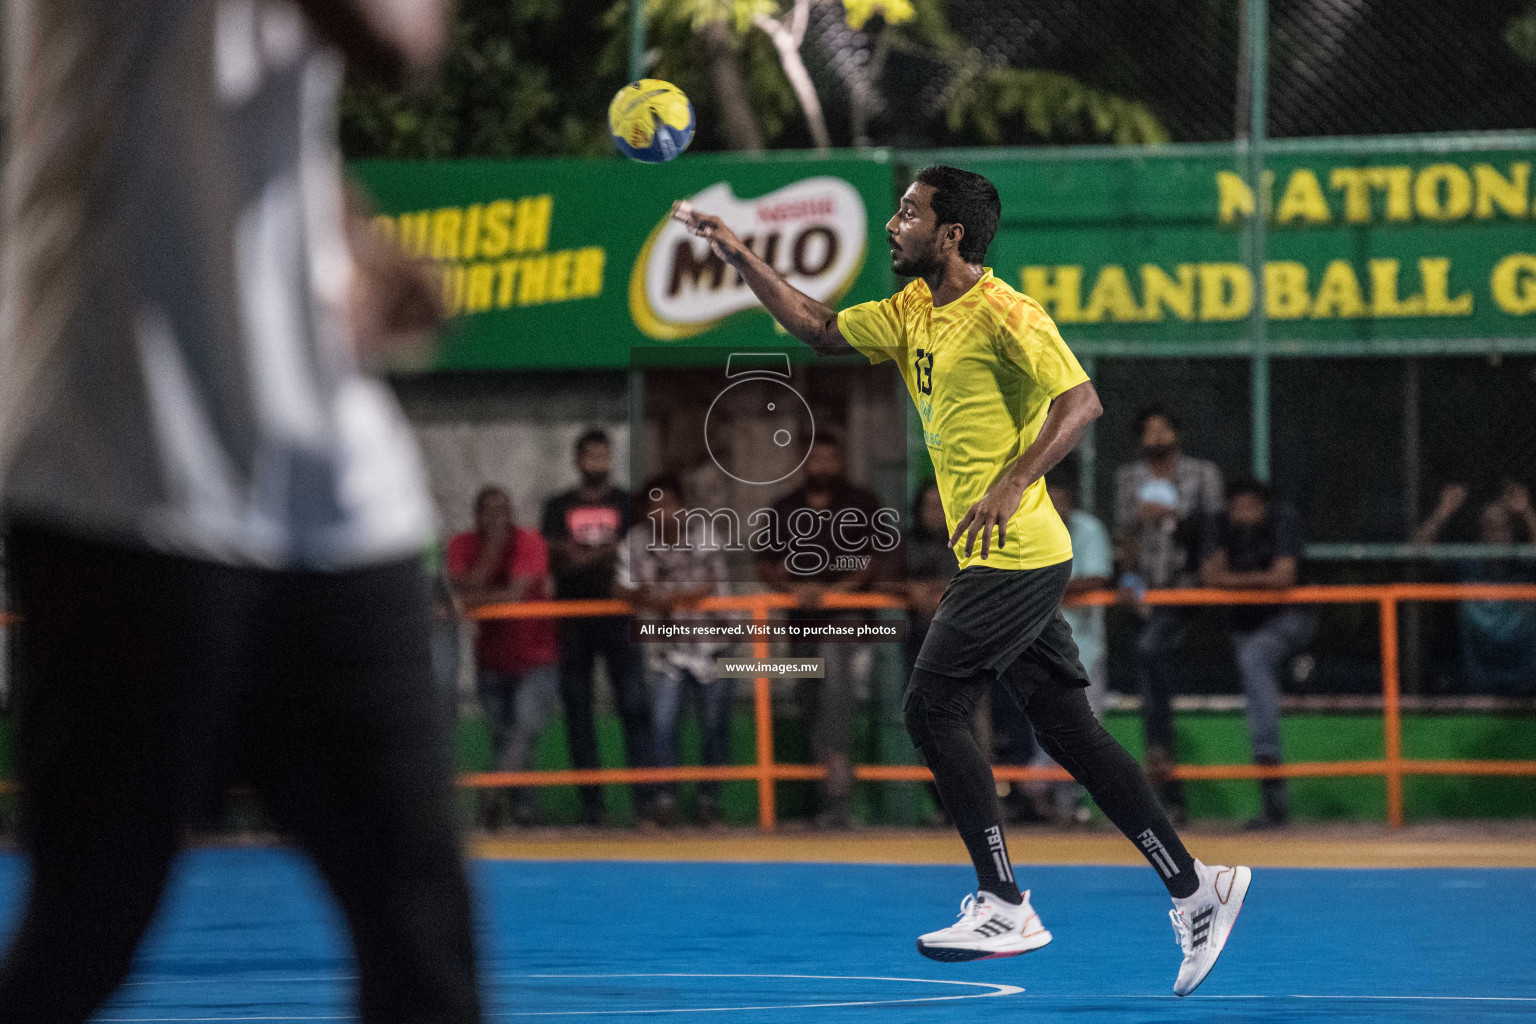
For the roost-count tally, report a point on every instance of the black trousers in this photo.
(145, 683)
(581, 640)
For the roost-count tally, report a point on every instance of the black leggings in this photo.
(938, 711)
(145, 683)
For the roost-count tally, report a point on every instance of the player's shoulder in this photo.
(915, 292)
(1010, 307)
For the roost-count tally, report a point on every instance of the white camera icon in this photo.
(758, 429)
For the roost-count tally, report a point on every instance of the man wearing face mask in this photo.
(1161, 500)
(1255, 544)
(583, 527)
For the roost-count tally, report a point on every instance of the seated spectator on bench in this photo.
(1498, 638)
(662, 580)
(1255, 544)
(516, 678)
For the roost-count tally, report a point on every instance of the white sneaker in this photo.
(1203, 921)
(987, 930)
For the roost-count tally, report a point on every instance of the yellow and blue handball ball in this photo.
(651, 120)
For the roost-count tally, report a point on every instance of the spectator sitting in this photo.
(583, 527)
(662, 579)
(1256, 545)
(827, 703)
(1498, 638)
(514, 658)
(1161, 501)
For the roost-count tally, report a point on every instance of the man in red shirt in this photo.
(515, 659)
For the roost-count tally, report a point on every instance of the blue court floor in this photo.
(247, 936)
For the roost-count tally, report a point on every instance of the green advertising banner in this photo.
(1390, 245)
(572, 263)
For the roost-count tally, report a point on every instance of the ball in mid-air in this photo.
(651, 120)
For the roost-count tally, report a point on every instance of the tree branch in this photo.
(799, 78)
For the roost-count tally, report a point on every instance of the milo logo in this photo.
(813, 232)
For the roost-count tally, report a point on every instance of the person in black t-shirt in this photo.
(1255, 544)
(584, 527)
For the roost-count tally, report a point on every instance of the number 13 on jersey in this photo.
(924, 371)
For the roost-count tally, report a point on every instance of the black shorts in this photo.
(991, 620)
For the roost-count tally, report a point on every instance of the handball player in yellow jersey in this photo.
(1002, 400)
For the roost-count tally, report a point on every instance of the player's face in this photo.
(913, 233)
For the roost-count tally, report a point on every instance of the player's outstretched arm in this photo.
(814, 323)
(1070, 414)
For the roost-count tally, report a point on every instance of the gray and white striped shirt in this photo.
(176, 364)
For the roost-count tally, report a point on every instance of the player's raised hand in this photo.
(995, 508)
(711, 228)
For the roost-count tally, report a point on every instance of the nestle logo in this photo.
(795, 209)
(812, 231)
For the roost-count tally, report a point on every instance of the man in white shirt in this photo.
(214, 519)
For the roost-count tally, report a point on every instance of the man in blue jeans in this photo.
(1255, 544)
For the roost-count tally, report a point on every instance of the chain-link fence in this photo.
(1336, 67)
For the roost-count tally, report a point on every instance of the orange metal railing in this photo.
(1393, 767)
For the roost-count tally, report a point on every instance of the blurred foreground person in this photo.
(214, 519)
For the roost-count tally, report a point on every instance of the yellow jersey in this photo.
(982, 371)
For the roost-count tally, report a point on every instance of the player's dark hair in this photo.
(1248, 485)
(484, 494)
(968, 199)
(596, 435)
(1161, 411)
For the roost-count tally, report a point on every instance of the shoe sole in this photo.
(1240, 887)
(959, 954)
